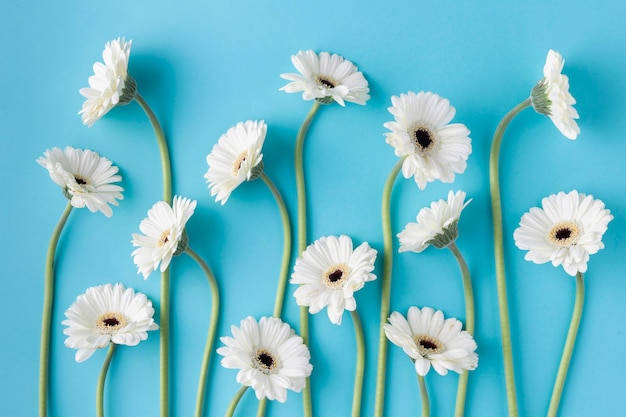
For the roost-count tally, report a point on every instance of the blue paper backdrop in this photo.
(204, 66)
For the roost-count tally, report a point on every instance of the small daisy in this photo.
(110, 85)
(235, 158)
(434, 149)
(329, 272)
(565, 231)
(551, 96)
(429, 339)
(270, 356)
(85, 177)
(326, 78)
(437, 225)
(104, 314)
(163, 235)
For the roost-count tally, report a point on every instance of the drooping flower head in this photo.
(87, 179)
(104, 314)
(235, 158)
(163, 235)
(437, 225)
(326, 78)
(329, 272)
(434, 148)
(565, 230)
(551, 96)
(429, 339)
(270, 356)
(111, 84)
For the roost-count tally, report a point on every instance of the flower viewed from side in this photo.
(329, 272)
(104, 314)
(326, 78)
(163, 235)
(87, 179)
(551, 96)
(437, 225)
(110, 85)
(434, 149)
(235, 158)
(429, 339)
(270, 356)
(565, 230)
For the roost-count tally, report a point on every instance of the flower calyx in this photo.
(448, 236)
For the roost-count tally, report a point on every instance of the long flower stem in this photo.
(568, 349)
(360, 364)
(385, 297)
(424, 396)
(470, 320)
(235, 401)
(498, 243)
(101, 380)
(46, 316)
(210, 338)
(262, 406)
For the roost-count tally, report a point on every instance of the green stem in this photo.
(385, 296)
(424, 396)
(46, 316)
(498, 240)
(210, 338)
(235, 401)
(568, 349)
(101, 380)
(262, 405)
(360, 364)
(461, 392)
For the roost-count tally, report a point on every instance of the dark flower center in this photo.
(111, 322)
(325, 81)
(428, 345)
(335, 276)
(80, 180)
(423, 139)
(265, 361)
(564, 234)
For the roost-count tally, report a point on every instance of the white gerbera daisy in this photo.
(429, 339)
(551, 96)
(437, 225)
(329, 271)
(325, 78)
(163, 235)
(434, 149)
(235, 158)
(104, 314)
(565, 231)
(85, 177)
(110, 85)
(270, 356)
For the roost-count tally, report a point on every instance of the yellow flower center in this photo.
(564, 234)
(427, 345)
(423, 139)
(239, 161)
(264, 361)
(110, 322)
(336, 275)
(326, 81)
(165, 237)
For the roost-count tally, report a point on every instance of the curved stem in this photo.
(569, 347)
(101, 380)
(210, 339)
(235, 401)
(385, 296)
(424, 396)
(498, 240)
(46, 315)
(360, 364)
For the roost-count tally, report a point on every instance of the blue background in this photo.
(203, 67)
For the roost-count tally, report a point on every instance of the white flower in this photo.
(435, 226)
(551, 97)
(325, 78)
(329, 271)
(163, 235)
(434, 149)
(110, 85)
(565, 231)
(104, 314)
(428, 339)
(272, 358)
(85, 177)
(235, 158)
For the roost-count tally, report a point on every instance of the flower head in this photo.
(565, 231)
(104, 314)
(235, 158)
(551, 96)
(329, 271)
(270, 356)
(434, 149)
(85, 177)
(429, 339)
(110, 85)
(163, 235)
(437, 225)
(326, 78)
